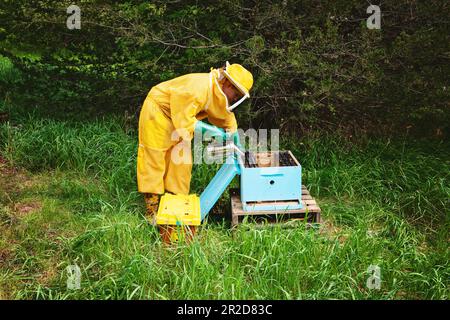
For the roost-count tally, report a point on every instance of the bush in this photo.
(315, 64)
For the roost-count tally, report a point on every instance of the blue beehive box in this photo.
(274, 183)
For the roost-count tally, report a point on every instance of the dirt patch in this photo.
(8, 178)
(5, 168)
(48, 274)
(330, 231)
(12, 182)
(5, 254)
(23, 209)
(4, 295)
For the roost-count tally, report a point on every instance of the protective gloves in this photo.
(218, 133)
(212, 131)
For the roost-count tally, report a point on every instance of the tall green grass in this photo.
(384, 201)
(409, 176)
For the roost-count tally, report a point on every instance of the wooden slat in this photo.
(309, 206)
(312, 209)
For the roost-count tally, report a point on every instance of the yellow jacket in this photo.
(193, 97)
(175, 106)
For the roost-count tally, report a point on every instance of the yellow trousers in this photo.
(164, 161)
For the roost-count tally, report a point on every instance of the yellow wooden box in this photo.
(179, 209)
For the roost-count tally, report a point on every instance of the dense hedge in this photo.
(316, 63)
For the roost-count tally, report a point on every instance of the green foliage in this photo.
(315, 64)
(9, 75)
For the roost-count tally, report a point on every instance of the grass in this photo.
(73, 200)
(8, 73)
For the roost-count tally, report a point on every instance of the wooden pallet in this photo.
(310, 210)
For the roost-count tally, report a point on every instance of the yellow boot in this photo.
(151, 204)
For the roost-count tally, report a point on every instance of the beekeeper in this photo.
(169, 116)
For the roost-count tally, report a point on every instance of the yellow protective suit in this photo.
(167, 122)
